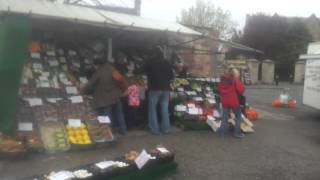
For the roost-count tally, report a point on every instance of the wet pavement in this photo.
(285, 146)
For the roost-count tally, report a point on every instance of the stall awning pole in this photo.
(15, 32)
(110, 55)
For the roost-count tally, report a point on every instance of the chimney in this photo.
(137, 7)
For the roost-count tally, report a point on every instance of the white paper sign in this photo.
(211, 118)
(105, 164)
(51, 53)
(62, 175)
(53, 100)
(25, 126)
(87, 61)
(37, 66)
(76, 123)
(181, 108)
(198, 99)
(44, 84)
(193, 111)
(71, 90)
(142, 159)
(180, 89)
(43, 78)
(35, 102)
(191, 105)
(212, 101)
(72, 53)
(104, 119)
(47, 74)
(77, 65)
(215, 125)
(62, 60)
(65, 67)
(76, 99)
(83, 80)
(35, 55)
(163, 150)
(216, 114)
(54, 63)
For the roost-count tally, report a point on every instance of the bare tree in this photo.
(205, 14)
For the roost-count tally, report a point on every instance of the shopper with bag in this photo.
(105, 86)
(230, 88)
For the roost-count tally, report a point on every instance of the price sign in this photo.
(194, 111)
(26, 126)
(62, 175)
(76, 123)
(47, 74)
(198, 99)
(37, 66)
(76, 99)
(53, 100)
(71, 90)
(104, 119)
(180, 89)
(212, 101)
(142, 159)
(35, 55)
(163, 150)
(43, 78)
(83, 80)
(54, 63)
(51, 53)
(181, 108)
(35, 102)
(63, 60)
(216, 114)
(105, 164)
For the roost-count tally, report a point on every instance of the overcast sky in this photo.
(168, 10)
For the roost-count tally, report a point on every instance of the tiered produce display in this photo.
(49, 98)
(196, 105)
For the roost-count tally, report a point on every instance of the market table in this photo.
(157, 168)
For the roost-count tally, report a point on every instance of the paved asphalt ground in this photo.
(285, 146)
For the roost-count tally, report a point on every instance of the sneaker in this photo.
(239, 135)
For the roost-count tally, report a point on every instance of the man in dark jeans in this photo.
(159, 73)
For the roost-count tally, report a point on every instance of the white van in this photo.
(311, 92)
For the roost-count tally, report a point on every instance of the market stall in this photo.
(54, 56)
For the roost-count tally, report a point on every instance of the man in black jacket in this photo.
(159, 73)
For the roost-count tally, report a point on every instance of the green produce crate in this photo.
(192, 125)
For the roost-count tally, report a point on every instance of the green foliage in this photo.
(205, 14)
(282, 39)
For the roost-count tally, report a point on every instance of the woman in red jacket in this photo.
(230, 88)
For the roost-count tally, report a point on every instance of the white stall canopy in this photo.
(47, 9)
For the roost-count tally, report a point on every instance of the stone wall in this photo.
(253, 68)
(299, 71)
(268, 72)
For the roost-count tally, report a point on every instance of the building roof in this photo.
(47, 9)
